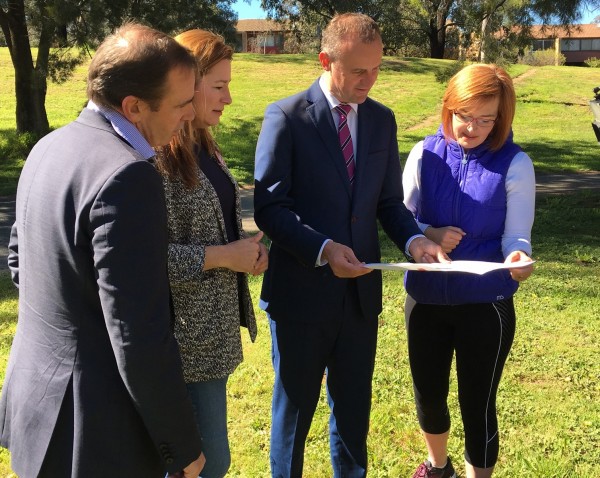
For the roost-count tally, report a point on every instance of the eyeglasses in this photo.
(481, 122)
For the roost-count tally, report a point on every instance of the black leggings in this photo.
(481, 335)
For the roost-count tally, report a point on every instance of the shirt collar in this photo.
(125, 129)
(332, 100)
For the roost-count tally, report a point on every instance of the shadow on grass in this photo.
(563, 155)
(8, 312)
(307, 59)
(415, 66)
(8, 291)
(14, 148)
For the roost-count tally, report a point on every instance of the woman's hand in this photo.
(519, 273)
(262, 263)
(247, 255)
(447, 237)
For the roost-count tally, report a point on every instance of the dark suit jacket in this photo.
(303, 196)
(89, 254)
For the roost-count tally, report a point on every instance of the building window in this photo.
(547, 44)
(590, 44)
(570, 45)
(269, 40)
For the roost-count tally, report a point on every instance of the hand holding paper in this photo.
(425, 250)
(519, 273)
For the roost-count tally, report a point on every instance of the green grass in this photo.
(549, 398)
(552, 122)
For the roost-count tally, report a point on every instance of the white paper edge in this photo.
(473, 267)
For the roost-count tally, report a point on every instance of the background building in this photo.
(259, 36)
(581, 43)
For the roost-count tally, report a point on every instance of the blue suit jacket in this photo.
(94, 370)
(303, 197)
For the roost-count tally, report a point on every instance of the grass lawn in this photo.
(553, 122)
(549, 398)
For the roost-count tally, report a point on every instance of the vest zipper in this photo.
(462, 174)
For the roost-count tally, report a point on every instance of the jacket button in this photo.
(169, 461)
(353, 219)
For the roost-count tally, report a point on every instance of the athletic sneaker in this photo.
(425, 470)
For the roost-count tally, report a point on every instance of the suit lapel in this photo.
(320, 114)
(365, 126)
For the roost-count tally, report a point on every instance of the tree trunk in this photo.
(30, 83)
(484, 24)
(437, 38)
(437, 28)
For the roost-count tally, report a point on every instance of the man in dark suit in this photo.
(321, 215)
(94, 386)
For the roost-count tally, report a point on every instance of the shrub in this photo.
(16, 146)
(541, 58)
(593, 62)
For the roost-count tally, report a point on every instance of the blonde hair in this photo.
(476, 83)
(178, 159)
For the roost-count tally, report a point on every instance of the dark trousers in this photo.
(343, 347)
(481, 335)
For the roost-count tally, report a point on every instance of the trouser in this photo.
(209, 399)
(344, 348)
(481, 335)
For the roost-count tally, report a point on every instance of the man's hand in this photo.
(342, 261)
(423, 250)
(195, 467)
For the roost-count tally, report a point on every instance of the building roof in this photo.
(589, 30)
(259, 25)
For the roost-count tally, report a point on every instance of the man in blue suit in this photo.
(321, 215)
(94, 386)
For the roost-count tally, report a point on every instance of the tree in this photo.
(492, 22)
(398, 19)
(64, 31)
(409, 22)
(313, 15)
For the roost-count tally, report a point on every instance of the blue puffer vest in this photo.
(467, 190)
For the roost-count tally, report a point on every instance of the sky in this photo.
(246, 11)
(253, 10)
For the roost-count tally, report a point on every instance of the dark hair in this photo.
(178, 159)
(347, 24)
(135, 60)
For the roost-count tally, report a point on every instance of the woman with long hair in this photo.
(210, 255)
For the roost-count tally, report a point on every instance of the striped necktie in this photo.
(346, 139)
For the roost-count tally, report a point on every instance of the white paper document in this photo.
(473, 267)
